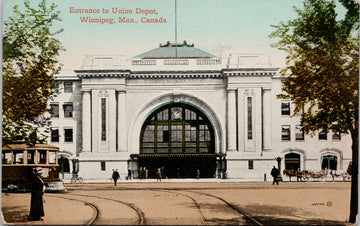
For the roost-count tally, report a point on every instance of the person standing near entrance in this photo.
(140, 173)
(37, 191)
(115, 176)
(158, 175)
(275, 173)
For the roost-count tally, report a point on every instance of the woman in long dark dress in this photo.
(37, 191)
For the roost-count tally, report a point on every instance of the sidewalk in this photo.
(18, 205)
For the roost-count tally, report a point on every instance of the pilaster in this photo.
(231, 120)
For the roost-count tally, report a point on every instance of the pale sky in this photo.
(220, 27)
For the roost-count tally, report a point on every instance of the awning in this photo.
(168, 155)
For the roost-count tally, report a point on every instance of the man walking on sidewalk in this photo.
(115, 176)
(275, 173)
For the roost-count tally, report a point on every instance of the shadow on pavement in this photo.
(270, 220)
(279, 215)
(15, 214)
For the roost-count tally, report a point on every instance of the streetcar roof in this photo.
(28, 147)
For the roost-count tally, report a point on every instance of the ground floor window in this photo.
(329, 162)
(64, 164)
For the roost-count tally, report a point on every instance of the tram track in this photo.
(241, 212)
(140, 214)
(197, 201)
(93, 206)
(197, 205)
(236, 208)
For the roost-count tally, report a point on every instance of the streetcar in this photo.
(18, 162)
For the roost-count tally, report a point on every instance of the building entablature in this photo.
(102, 73)
(176, 74)
(244, 72)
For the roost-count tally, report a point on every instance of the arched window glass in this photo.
(64, 165)
(177, 128)
(292, 161)
(329, 162)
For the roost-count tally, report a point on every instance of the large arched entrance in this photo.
(179, 139)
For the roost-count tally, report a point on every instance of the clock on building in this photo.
(176, 113)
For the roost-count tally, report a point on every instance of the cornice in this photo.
(250, 71)
(101, 73)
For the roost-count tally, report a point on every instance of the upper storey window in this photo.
(54, 109)
(68, 87)
(285, 108)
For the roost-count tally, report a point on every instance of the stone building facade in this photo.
(186, 112)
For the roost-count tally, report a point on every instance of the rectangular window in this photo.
(285, 132)
(55, 135)
(68, 87)
(103, 166)
(190, 138)
(162, 138)
(176, 138)
(336, 136)
(68, 135)
(285, 108)
(18, 157)
(52, 157)
(42, 157)
(250, 164)
(54, 110)
(103, 119)
(6, 157)
(322, 135)
(68, 109)
(31, 156)
(149, 139)
(249, 108)
(299, 133)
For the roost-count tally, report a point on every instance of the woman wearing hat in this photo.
(37, 191)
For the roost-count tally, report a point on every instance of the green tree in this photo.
(322, 72)
(29, 65)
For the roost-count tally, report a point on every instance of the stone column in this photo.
(86, 122)
(267, 119)
(121, 123)
(231, 120)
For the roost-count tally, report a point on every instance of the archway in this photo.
(179, 139)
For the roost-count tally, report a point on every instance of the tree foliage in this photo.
(29, 65)
(322, 73)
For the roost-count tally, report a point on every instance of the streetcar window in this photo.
(18, 157)
(31, 156)
(41, 156)
(52, 157)
(6, 157)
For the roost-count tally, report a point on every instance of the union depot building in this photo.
(184, 111)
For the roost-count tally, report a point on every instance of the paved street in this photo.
(179, 203)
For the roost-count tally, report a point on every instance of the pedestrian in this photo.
(140, 173)
(37, 191)
(129, 174)
(275, 173)
(115, 176)
(158, 175)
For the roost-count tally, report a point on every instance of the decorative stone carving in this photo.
(103, 93)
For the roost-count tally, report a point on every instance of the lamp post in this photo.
(278, 159)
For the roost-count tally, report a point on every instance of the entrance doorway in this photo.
(292, 161)
(180, 167)
(179, 139)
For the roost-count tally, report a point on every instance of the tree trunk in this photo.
(354, 178)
